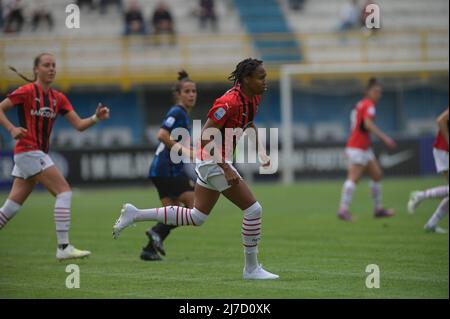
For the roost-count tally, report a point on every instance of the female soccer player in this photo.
(170, 178)
(360, 155)
(235, 110)
(440, 152)
(38, 105)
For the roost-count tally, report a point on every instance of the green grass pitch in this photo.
(316, 255)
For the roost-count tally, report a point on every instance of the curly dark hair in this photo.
(243, 69)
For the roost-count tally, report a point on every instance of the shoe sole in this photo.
(71, 258)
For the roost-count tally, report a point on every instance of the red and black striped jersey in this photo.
(440, 142)
(37, 111)
(231, 111)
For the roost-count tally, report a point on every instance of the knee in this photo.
(64, 196)
(254, 211)
(197, 217)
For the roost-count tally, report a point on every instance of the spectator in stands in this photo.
(14, 16)
(162, 22)
(89, 3)
(208, 13)
(1, 15)
(105, 3)
(350, 16)
(296, 5)
(41, 14)
(134, 20)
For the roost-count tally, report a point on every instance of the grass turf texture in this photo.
(316, 255)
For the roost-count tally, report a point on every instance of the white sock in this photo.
(8, 211)
(377, 195)
(347, 194)
(251, 235)
(436, 192)
(172, 215)
(62, 217)
(440, 213)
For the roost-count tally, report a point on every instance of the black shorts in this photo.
(173, 187)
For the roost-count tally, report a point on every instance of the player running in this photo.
(174, 185)
(38, 105)
(235, 110)
(440, 153)
(360, 155)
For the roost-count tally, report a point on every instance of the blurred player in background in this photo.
(440, 153)
(38, 105)
(360, 155)
(235, 110)
(174, 185)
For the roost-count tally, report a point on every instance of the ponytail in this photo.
(21, 75)
(36, 62)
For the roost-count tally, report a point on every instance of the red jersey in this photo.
(231, 111)
(37, 111)
(360, 137)
(440, 143)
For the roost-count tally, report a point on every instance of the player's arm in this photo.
(16, 132)
(101, 114)
(164, 137)
(371, 127)
(230, 175)
(262, 153)
(442, 122)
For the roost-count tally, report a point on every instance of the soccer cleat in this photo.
(71, 252)
(156, 241)
(149, 254)
(383, 212)
(344, 214)
(125, 219)
(413, 202)
(435, 229)
(259, 274)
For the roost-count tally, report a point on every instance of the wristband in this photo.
(95, 118)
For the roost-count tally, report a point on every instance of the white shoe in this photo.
(435, 229)
(71, 252)
(413, 202)
(259, 273)
(125, 219)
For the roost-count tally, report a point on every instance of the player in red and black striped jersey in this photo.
(440, 153)
(231, 113)
(38, 106)
(360, 154)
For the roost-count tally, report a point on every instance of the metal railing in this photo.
(127, 61)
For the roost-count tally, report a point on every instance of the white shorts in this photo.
(441, 160)
(29, 164)
(358, 156)
(211, 176)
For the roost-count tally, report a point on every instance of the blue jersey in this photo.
(162, 166)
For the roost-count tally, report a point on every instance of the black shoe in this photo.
(149, 254)
(156, 241)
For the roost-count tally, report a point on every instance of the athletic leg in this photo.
(376, 175)
(157, 234)
(242, 197)
(440, 213)
(52, 179)
(20, 191)
(205, 199)
(355, 172)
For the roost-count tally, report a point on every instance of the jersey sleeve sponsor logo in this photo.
(220, 113)
(371, 111)
(169, 122)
